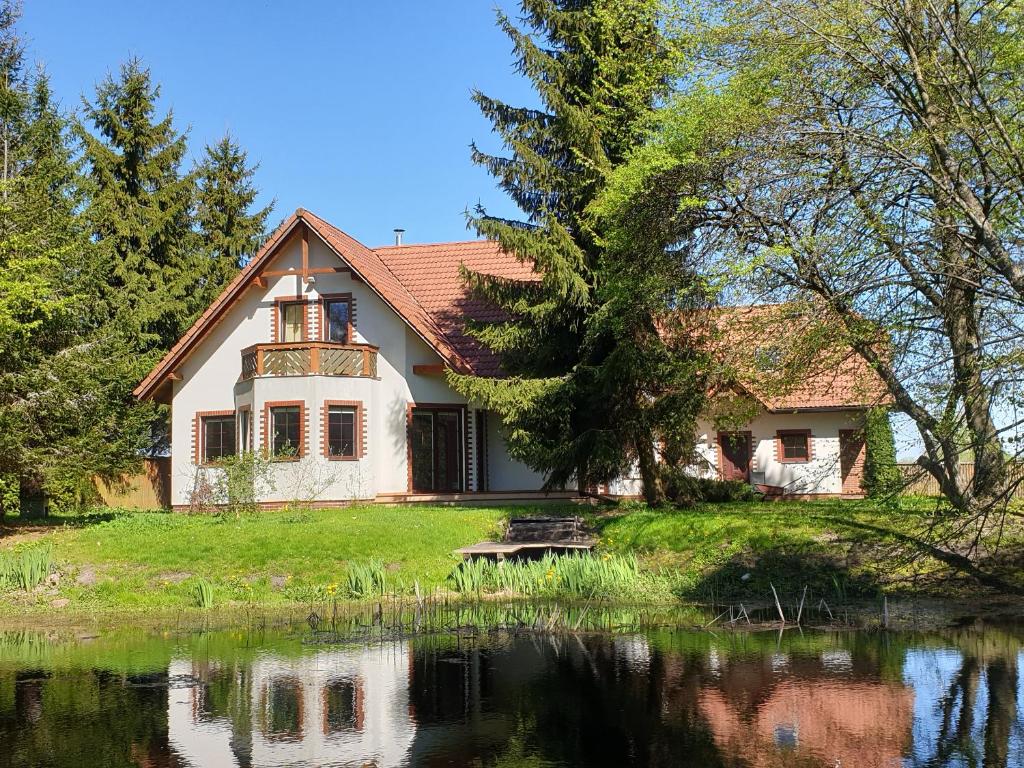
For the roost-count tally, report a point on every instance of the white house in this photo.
(331, 356)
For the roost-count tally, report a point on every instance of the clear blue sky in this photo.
(359, 111)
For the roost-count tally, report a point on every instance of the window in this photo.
(342, 705)
(286, 430)
(218, 437)
(244, 429)
(342, 431)
(337, 316)
(794, 445)
(293, 321)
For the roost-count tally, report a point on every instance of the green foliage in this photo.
(26, 569)
(366, 579)
(682, 488)
(572, 576)
(881, 475)
(10, 495)
(202, 593)
(591, 384)
(239, 482)
(140, 207)
(230, 233)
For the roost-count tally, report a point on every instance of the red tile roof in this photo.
(431, 273)
(769, 345)
(423, 285)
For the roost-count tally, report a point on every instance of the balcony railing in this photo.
(309, 358)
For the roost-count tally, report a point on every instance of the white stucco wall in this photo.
(822, 474)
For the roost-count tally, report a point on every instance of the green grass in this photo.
(150, 560)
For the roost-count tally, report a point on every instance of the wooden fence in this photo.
(920, 483)
(149, 490)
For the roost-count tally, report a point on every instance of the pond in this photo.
(289, 696)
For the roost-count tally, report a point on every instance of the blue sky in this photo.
(359, 111)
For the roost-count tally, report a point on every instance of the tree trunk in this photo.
(654, 491)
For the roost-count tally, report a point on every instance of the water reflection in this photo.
(653, 699)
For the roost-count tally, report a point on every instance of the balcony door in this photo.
(436, 449)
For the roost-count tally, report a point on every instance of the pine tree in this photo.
(599, 68)
(230, 233)
(141, 207)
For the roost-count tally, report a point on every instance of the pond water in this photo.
(291, 697)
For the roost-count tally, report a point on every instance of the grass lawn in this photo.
(112, 559)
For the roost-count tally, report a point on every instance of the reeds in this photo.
(573, 576)
(26, 569)
(202, 593)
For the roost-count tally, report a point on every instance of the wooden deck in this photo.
(501, 550)
(528, 536)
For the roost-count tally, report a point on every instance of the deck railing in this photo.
(307, 358)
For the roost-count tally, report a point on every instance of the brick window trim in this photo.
(266, 436)
(360, 432)
(199, 435)
(277, 328)
(779, 453)
(321, 314)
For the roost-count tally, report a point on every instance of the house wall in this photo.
(210, 382)
(820, 475)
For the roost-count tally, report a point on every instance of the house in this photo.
(330, 356)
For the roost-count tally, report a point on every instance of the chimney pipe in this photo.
(398, 235)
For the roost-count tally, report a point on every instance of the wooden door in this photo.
(852, 452)
(735, 450)
(436, 450)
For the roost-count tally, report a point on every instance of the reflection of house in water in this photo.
(807, 710)
(347, 706)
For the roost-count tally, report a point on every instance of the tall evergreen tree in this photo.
(570, 410)
(140, 207)
(230, 230)
(66, 409)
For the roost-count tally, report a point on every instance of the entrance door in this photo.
(436, 437)
(851, 459)
(735, 450)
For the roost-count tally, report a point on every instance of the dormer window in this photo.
(293, 321)
(337, 320)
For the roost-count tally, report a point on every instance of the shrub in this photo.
(881, 475)
(685, 490)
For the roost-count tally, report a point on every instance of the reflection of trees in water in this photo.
(63, 718)
(977, 732)
(227, 694)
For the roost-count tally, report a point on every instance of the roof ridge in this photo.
(443, 244)
(429, 317)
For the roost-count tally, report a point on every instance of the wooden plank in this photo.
(428, 370)
(305, 252)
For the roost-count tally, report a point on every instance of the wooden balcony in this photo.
(309, 358)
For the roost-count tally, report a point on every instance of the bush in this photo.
(685, 490)
(881, 475)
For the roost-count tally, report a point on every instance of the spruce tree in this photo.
(66, 375)
(141, 207)
(230, 231)
(599, 68)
